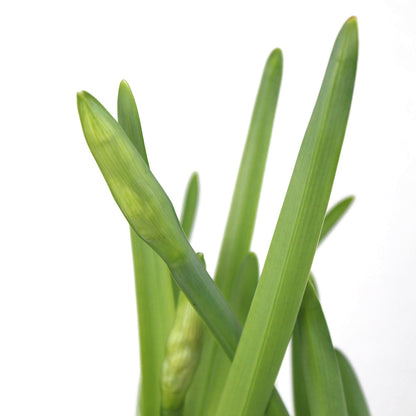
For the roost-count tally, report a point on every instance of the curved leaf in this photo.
(325, 394)
(354, 396)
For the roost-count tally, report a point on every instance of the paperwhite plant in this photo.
(214, 347)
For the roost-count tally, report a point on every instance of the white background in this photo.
(68, 333)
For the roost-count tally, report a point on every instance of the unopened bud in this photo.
(136, 191)
(182, 356)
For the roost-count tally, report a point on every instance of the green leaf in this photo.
(190, 205)
(299, 389)
(128, 117)
(334, 215)
(155, 303)
(242, 215)
(241, 219)
(325, 394)
(278, 297)
(356, 403)
(300, 397)
(244, 287)
(156, 310)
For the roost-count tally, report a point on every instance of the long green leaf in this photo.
(276, 302)
(156, 310)
(154, 296)
(356, 403)
(242, 215)
(325, 394)
(298, 379)
(240, 223)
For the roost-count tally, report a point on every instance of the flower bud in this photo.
(136, 191)
(182, 355)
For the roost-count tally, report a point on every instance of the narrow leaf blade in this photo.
(300, 397)
(242, 215)
(155, 310)
(241, 218)
(298, 377)
(276, 302)
(356, 403)
(325, 394)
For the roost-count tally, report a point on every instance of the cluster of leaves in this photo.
(215, 346)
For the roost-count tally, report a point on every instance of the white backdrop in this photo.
(68, 332)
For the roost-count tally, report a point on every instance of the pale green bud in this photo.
(136, 191)
(183, 351)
